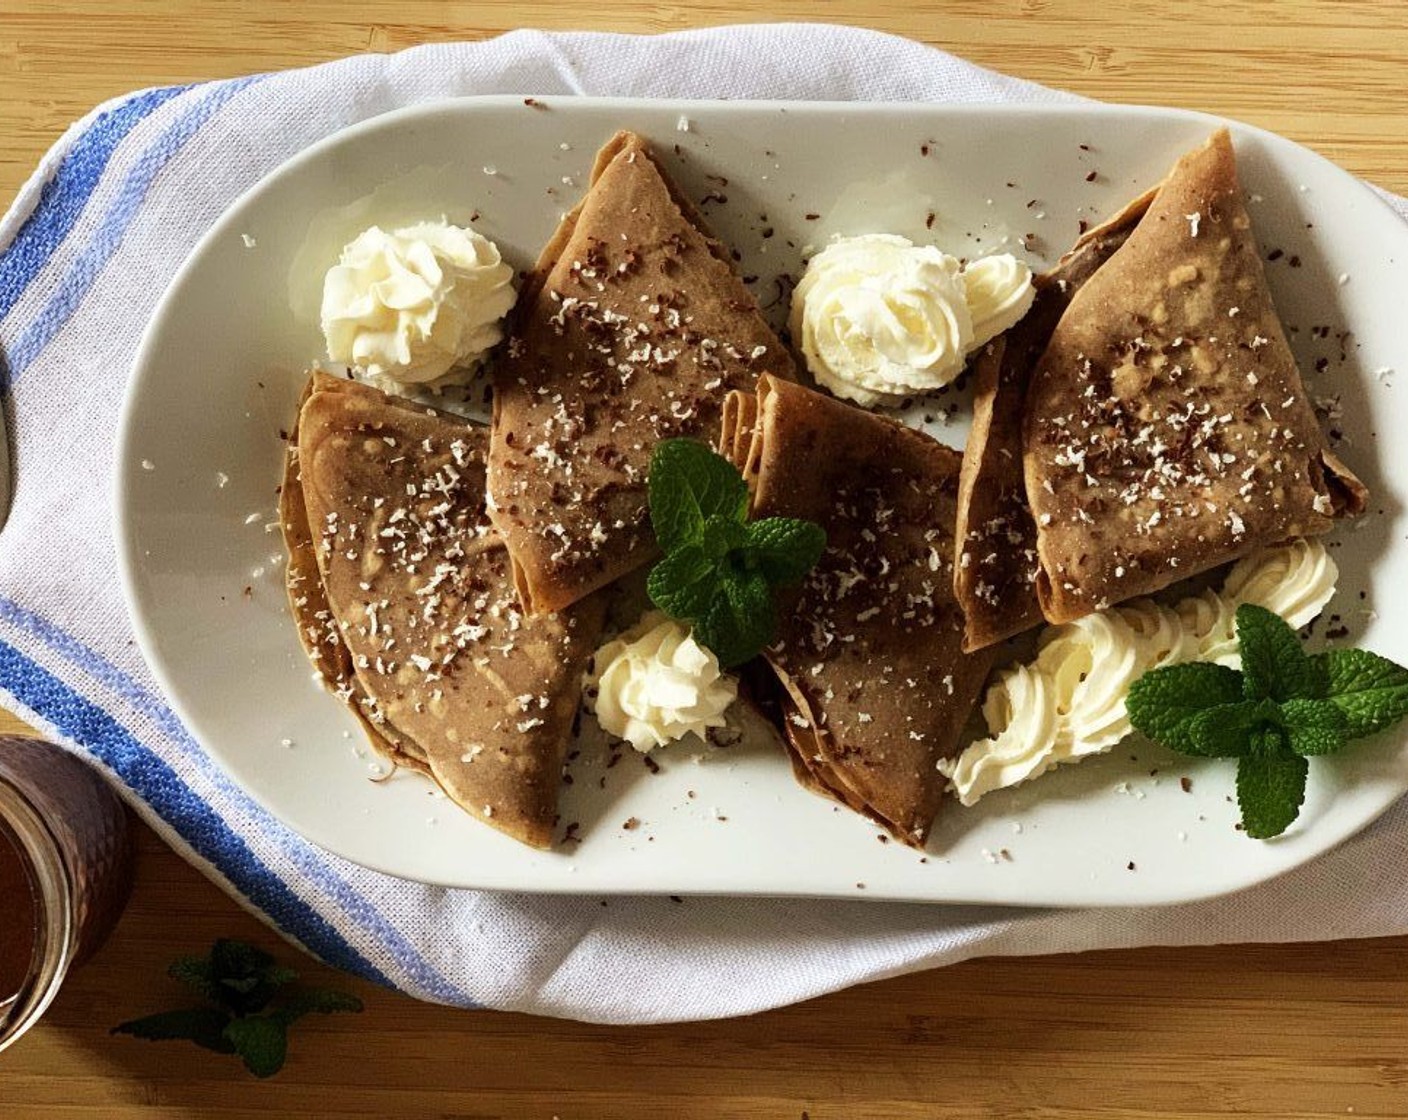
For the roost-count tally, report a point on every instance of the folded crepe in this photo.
(421, 591)
(874, 687)
(995, 578)
(1167, 430)
(318, 630)
(632, 329)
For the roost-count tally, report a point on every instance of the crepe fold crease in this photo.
(874, 688)
(406, 604)
(632, 329)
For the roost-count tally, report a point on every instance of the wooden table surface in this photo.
(1277, 1031)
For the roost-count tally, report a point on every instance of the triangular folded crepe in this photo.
(632, 330)
(317, 628)
(995, 578)
(422, 591)
(1166, 429)
(875, 688)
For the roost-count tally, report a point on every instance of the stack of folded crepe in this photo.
(1145, 422)
(445, 580)
(874, 687)
(635, 327)
(405, 601)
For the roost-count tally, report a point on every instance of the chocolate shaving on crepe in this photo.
(875, 687)
(633, 329)
(1167, 430)
(422, 590)
(995, 579)
(317, 628)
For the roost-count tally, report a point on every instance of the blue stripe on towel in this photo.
(295, 847)
(62, 198)
(194, 821)
(100, 247)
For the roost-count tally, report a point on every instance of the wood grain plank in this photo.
(1275, 1031)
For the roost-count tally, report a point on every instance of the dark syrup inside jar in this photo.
(19, 920)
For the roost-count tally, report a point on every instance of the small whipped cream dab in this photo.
(1069, 703)
(654, 684)
(878, 318)
(999, 292)
(419, 305)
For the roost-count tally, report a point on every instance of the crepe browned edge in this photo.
(876, 688)
(317, 629)
(422, 590)
(995, 579)
(736, 433)
(1167, 430)
(633, 329)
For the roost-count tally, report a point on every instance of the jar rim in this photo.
(51, 889)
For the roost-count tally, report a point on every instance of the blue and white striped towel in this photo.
(88, 246)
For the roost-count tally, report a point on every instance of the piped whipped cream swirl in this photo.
(419, 305)
(878, 318)
(654, 684)
(1069, 703)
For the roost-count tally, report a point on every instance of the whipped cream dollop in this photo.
(1069, 703)
(878, 318)
(999, 292)
(419, 305)
(654, 684)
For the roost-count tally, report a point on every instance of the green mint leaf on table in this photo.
(204, 1026)
(785, 549)
(1370, 690)
(252, 1013)
(720, 570)
(1163, 703)
(261, 1041)
(1270, 785)
(196, 973)
(689, 484)
(1274, 666)
(323, 1001)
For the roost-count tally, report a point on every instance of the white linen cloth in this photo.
(85, 251)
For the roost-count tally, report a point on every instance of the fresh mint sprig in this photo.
(720, 569)
(1284, 707)
(249, 1012)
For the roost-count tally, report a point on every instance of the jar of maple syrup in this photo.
(65, 873)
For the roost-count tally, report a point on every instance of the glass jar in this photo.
(65, 873)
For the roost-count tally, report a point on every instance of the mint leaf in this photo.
(1370, 690)
(1270, 785)
(1163, 702)
(239, 975)
(740, 621)
(1274, 665)
(196, 973)
(687, 485)
(202, 1025)
(721, 536)
(262, 1041)
(323, 1001)
(1314, 726)
(784, 549)
(1226, 730)
(245, 977)
(719, 569)
(685, 584)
